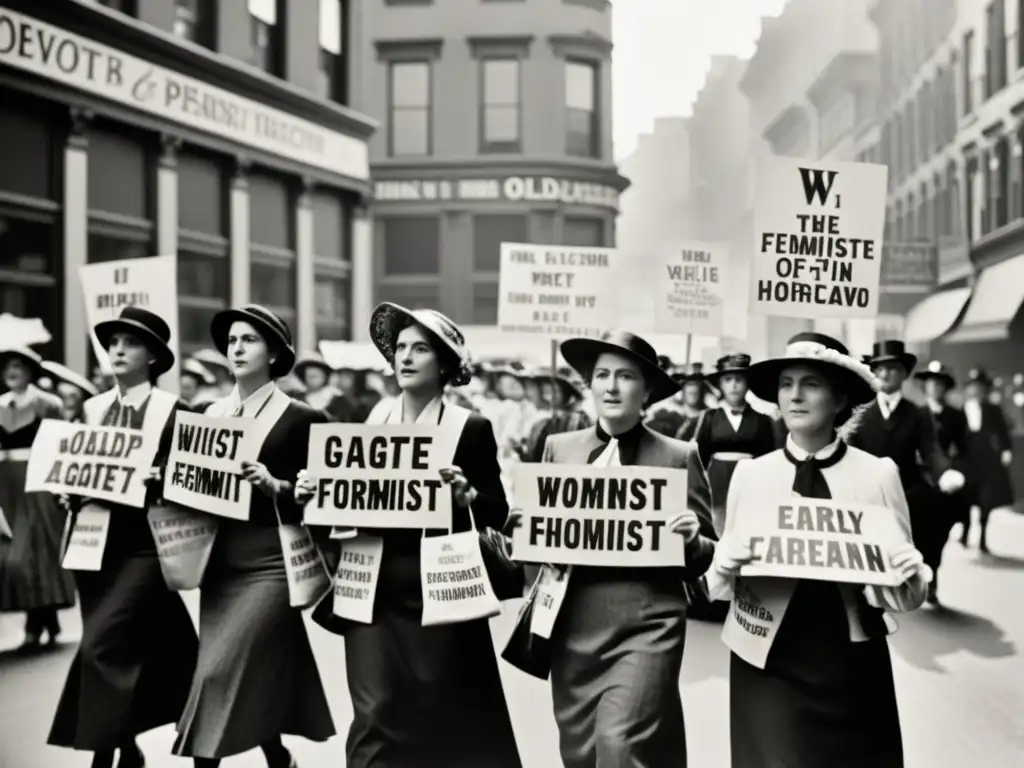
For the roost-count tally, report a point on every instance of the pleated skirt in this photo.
(256, 678)
(137, 654)
(30, 572)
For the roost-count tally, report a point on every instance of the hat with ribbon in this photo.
(61, 374)
(938, 371)
(816, 349)
(891, 351)
(28, 357)
(388, 320)
(148, 327)
(582, 354)
(271, 327)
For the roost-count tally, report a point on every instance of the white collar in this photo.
(134, 396)
(891, 400)
(19, 400)
(431, 414)
(936, 406)
(800, 454)
(259, 396)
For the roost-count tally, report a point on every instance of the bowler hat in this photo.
(582, 354)
(858, 383)
(148, 327)
(937, 370)
(891, 351)
(387, 320)
(32, 361)
(268, 324)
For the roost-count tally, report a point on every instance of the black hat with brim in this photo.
(267, 324)
(936, 370)
(32, 361)
(816, 350)
(735, 364)
(149, 328)
(582, 354)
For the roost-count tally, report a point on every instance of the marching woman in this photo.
(732, 432)
(315, 374)
(811, 680)
(138, 646)
(256, 678)
(31, 577)
(195, 377)
(426, 695)
(72, 389)
(617, 643)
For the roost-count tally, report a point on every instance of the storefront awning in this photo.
(935, 315)
(997, 296)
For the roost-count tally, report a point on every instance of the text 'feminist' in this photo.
(212, 442)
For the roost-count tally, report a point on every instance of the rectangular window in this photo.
(489, 232)
(266, 36)
(333, 313)
(499, 113)
(581, 84)
(966, 84)
(583, 231)
(412, 245)
(195, 20)
(409, 87)
(995, 47)
(29, 256)
(485, 303)
(332, 81)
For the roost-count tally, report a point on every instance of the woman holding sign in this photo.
(618, 634)
(31, 578)
(138, 644)
(256, 678)
(811, 680)
(426, 695)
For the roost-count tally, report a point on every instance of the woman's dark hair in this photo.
(448, 362)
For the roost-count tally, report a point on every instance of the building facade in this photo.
(496, 127)
(216, 130)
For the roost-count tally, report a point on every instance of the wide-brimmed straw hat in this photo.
(582, 354)
(148, 327)
(61, 374)
(937, 370)
(267, 323)
(32, 361)
(734, 363)
(891, 351)
(859, 384)
(388, 319)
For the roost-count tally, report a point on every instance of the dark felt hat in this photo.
(32, 361)
(816, 349)
(582, 354)
(937, 370)
(734, 363)
(148, 327)
(891, 351)
(268, 324)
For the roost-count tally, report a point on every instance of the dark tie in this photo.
(810, 482)
(238, 411)
(736, 412)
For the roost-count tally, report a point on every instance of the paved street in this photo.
(960, 679)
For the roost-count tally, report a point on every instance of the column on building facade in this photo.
(167, 197)
(305, 271)
(362, 272)
(239, 231)
(76, 240)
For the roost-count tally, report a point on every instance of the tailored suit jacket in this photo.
(654, 450)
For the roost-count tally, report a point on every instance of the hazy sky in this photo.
(663, 49)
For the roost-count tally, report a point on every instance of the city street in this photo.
(959, 675)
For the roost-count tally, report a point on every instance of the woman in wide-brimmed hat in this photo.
(811, 681)
(223, 377)
(426, 695)
(138, 646)
(256, 677)
(989, 453)
(564, 397)
(617, 643)
(314, 372)
(194, 379)
(72, 388)
(31, 578)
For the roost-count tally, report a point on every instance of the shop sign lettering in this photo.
(530, 189)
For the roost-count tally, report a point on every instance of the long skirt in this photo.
(137, 654)
(990, 480)
(617, 652)
(256, 677)
(30, 572)
(423, 696)
(834, 708)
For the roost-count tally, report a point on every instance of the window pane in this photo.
(501, 81)
(580, 135)
(332, 307)
(579, 86)
(273, 285)
(489, 232)
(501, 124)
(204, 276)
(329, 230)
(409, 131)
(330, 26)
(410, 84)
(485, 304)
(411, 296)
(110, 248)
(26, 246)
(411, 245)
(583, 232)
(194, 324)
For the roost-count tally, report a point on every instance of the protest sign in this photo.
(87, 540)
(821, 539)
(379, 476)
(595, 515)
(204, 469)
(552, 585)
(818, 238)
(104, 463)
(558, 290)
(690, 284)
(150, 283)
(355, 582)
(307, 574)
(455, 584)
(184, 541)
